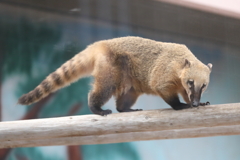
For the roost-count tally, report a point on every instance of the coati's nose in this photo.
(195, 103)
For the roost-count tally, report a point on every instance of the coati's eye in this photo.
(190, 83)
(204, 85)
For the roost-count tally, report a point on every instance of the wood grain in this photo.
(212, 120)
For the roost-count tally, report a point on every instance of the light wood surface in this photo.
(214, 120)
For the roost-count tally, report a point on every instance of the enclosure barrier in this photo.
(214, 120)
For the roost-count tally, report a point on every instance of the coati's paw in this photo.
(133, 110)
(204, 104)
(99, 111)
(105, 112)
(181, 106)
(129, 110)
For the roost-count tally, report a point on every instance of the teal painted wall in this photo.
(34, 44)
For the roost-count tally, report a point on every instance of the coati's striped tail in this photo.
(77, 67)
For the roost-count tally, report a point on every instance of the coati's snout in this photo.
(195, 96)
(195, 92)
(195, 103)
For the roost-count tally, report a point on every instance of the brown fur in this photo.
(126, 68)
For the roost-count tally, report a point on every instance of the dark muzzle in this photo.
(195, 103)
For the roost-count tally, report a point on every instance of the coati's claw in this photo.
(105, 112)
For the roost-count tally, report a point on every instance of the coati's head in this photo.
(195, 79)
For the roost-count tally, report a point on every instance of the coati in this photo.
(127, 67)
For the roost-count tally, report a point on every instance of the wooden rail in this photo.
(214, 120)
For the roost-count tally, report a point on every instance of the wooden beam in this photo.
(212, 120)
(127, 137)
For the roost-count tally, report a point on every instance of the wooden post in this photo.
(214, 120)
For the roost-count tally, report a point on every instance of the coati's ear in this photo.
(210, 66)
(187, 63)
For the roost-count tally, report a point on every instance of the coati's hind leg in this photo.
(125, 102)
(174, 102)
(103, 88)
(100, 94)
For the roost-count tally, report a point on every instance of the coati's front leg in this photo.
(174, 102)
(185, 96)
(126, 101)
